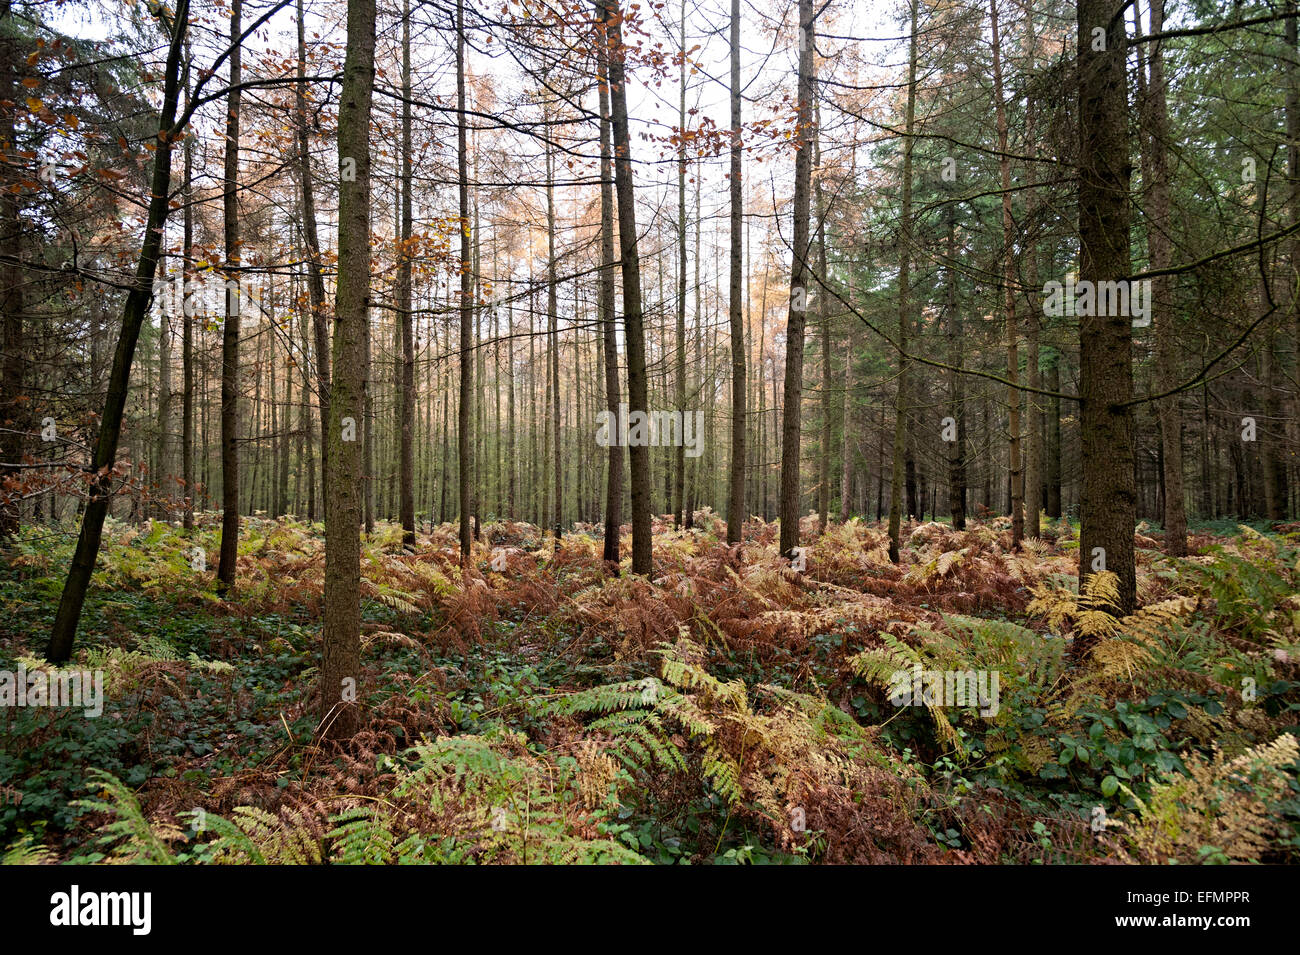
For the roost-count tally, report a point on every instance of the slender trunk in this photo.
(956, 388)
(464, 440)
(1155, 173)
(136, 308)
(824, 317)
(553, 335)
(736, 487)
(614, 473)
(315, 278)
(794, 340)
(904, 292)
(14, 418)
(406, 480)
(187, 328)
(1009, 294)
(633, 320)
(679, 453)
(230, 326)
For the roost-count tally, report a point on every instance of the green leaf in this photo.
(1109, 786)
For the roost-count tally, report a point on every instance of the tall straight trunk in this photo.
(824, 317)
(633, 319)
(1155, 173)
(1034, 484)
(187, 328)
(1009, 294)
(14, 419)
(230, 327)
(138, 300)
(904, 293)
(511, 463)
(161, 479)
(286, 429)
(679, 453)
(956, 387)
(464, 440)
(739, 421)
(553, 336)
(1108, 504)
(366, 424)
(1292, 274)
(614, 471)
(341, 645)
(846, 429)
(794, 339)
(406, 479)
(315, 278)
(1054, 435)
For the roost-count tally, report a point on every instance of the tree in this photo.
(138, 300)
(341, 644)
(1108, 501)
(614, 475)
(633, 321)
(904, 307)
(230, 327)
(736, 493)
(315, 277)
(406, 478)
(799, 271)
(464, 439)
(13, 417)
(1009, 293)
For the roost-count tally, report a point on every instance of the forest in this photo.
(664, 432)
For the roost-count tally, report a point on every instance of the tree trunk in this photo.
(464, 440)
(956, 388)
(633, 320)
(315, 279)
(341, 646)
(187, 328)
(1009, 294)
(14, 418)
(406, 479)
(138, 300)
(792, 393)
(1155, 130)
(230, 327)
(904, 292)
(736, 487)
(1108, 505)
(614, 472)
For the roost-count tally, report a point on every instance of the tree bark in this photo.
(633, 319)
(614, 471)
(341, 656)
(1108, 505)
(464, 440)
(406, 479)
(792, 393)
(233, 276)
(136, 308)
(904, 293)
(736, 487)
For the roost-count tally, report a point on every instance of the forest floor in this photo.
(728, 710)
